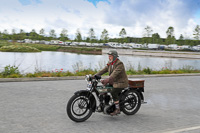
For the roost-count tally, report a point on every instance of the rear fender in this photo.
(90, 96)
(139, 90)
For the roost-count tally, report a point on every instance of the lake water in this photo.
(54, 61)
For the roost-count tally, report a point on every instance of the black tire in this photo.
(131, 102)
(83, 111)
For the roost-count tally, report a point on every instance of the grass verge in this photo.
(13, 72)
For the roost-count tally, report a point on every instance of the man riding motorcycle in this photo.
(117, 77)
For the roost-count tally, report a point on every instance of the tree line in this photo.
(148, 36)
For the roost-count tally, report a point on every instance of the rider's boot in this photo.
(117, 110)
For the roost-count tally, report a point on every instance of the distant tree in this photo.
(104, 36)
(147, 35)
(191, 42)
(14, 35)
(42, 34)
(170, 40)
(21, 31)
(156, 38)
(21, 35)
(78, 36)
(5, 35)
(87, 39)
(170, 31)
(148, 31)
(5, 32)
(122, 34)
(63, 35)
(181, 37)
(170, 36)
(52, 34)
(92, 36)
(197, 32)
(181, 40)
(33, 30)
(33, 35)
(0, 35)
(13, 31)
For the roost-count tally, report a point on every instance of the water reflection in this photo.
(48, 61)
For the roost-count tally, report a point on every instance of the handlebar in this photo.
(90, 77)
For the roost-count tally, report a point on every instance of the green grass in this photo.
(18, 48)
(43, 47)
(80, 48)
(4, 43)
(83, 50)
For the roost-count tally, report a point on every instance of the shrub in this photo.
(14, 76)
(147, 70)
(176, 72)
(68, 73)
(10, 70)
(46, 75)
(131, 72)
(84, 72)
(30, 75)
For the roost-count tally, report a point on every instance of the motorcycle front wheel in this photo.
(131, 102)
(78, 108)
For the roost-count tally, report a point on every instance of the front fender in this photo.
(90, 96)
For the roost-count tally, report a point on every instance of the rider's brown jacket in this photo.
(117, 72)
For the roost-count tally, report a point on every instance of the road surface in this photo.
(173, 106)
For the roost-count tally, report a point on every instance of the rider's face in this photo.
(110, 57)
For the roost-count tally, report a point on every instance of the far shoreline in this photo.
(154, 53)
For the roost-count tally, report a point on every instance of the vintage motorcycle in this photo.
(84, 102)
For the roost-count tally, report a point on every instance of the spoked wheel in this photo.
(78, 108)
(131, 102)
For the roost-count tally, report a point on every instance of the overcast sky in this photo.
(113, 15)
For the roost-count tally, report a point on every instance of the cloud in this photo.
(113, 15)
(159, 14)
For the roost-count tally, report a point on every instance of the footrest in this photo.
(143, 102)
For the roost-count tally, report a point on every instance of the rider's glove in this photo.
(108, 80)
(96, 77)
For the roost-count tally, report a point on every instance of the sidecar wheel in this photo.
(131, 102)
(78, 108)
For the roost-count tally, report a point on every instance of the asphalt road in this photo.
(173, 106)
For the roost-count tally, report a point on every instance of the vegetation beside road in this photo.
(13, 72)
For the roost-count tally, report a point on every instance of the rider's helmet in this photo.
(113, 53)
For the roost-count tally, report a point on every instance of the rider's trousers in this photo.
(115, 93)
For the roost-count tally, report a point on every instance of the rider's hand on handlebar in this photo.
(108, 80)
(93, 77)
(105, 81)
(96, 77)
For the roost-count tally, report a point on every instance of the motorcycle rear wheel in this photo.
(78, 108)
(131, 102)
